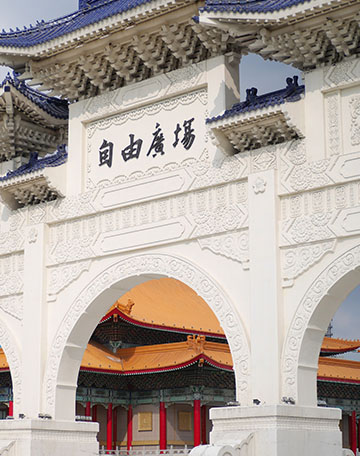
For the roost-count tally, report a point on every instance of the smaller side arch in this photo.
(160, 265)
(12, 353)
(305, 334)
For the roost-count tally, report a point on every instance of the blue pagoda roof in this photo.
(90, 12)
(35, 163)
(249, 6)
(292, 92)
(53, 106)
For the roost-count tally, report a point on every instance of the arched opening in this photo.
(93, 303)
(6, 390)
(301, 367)
(154, 365)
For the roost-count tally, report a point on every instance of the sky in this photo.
(254, 72)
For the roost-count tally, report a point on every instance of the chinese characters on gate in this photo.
(184, 134)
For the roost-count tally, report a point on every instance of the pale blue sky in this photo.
(254, 72)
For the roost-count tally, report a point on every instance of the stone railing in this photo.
(146, 452)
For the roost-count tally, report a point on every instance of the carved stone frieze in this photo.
(300, 321)
(263, 159)
(230, 245)
(333, 128)
(189, 215)
(299, 259)
(62, 276)
(169, 266)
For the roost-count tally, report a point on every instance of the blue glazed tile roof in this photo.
(249, 6)
(87, 15)
(35, 163)
(292, 92)
(53, 106)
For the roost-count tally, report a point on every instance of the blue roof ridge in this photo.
(36, 164)
(292, 92)
(53, 106)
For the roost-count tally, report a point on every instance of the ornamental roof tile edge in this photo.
(49, 30)
(252, 6)
(36, 164)
(55, 107)
(291, 93)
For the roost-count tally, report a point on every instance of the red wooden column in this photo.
(353, 433)
(197, 422)
(109, 427)
(115, 427)
(203, 424)
(88, 409)
(94, 413)
(162, 426)
(11, 408)
(129, 427)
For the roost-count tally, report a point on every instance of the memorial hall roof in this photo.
(339, 370)
(167, 304)
(157, 358)
(332, 346)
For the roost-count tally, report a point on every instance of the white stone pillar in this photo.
(34, 336)
(223, 83)
(265, 288)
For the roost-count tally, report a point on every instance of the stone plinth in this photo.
(279, 430)
(48, 438)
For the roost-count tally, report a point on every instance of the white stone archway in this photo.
(310, 321)
(12, 353)
(75, 330)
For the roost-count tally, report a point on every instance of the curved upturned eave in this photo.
(71, 36)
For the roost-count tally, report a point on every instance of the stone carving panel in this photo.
(13, 306)
(11, 274)
(169, 266)
(297, 260)
(316, 292)
(342, 73)
(230, 245)
(333, 128)
(199, 213)
(61, 277)
(354, 105)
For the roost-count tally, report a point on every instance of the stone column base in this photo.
(48, 438)
(278, 430)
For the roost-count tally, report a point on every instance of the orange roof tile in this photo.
(332, 345)
(156, 358)
(335, 369)
(167, 303)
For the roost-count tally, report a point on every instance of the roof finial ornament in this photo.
(251, 94)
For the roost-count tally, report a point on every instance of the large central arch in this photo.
(87, 309)
(307, 329)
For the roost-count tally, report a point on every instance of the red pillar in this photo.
(203, 424)
(129, 427)
(11, 408)
(162, 426)
(353, 436)
(94, 413)
(88, 409)
(197, 422)
(115, 427)
(109, 427)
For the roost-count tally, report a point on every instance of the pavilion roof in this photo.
(24, 97)
(167, 304)
(36, 164)
(156, 358)
(292, 92)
